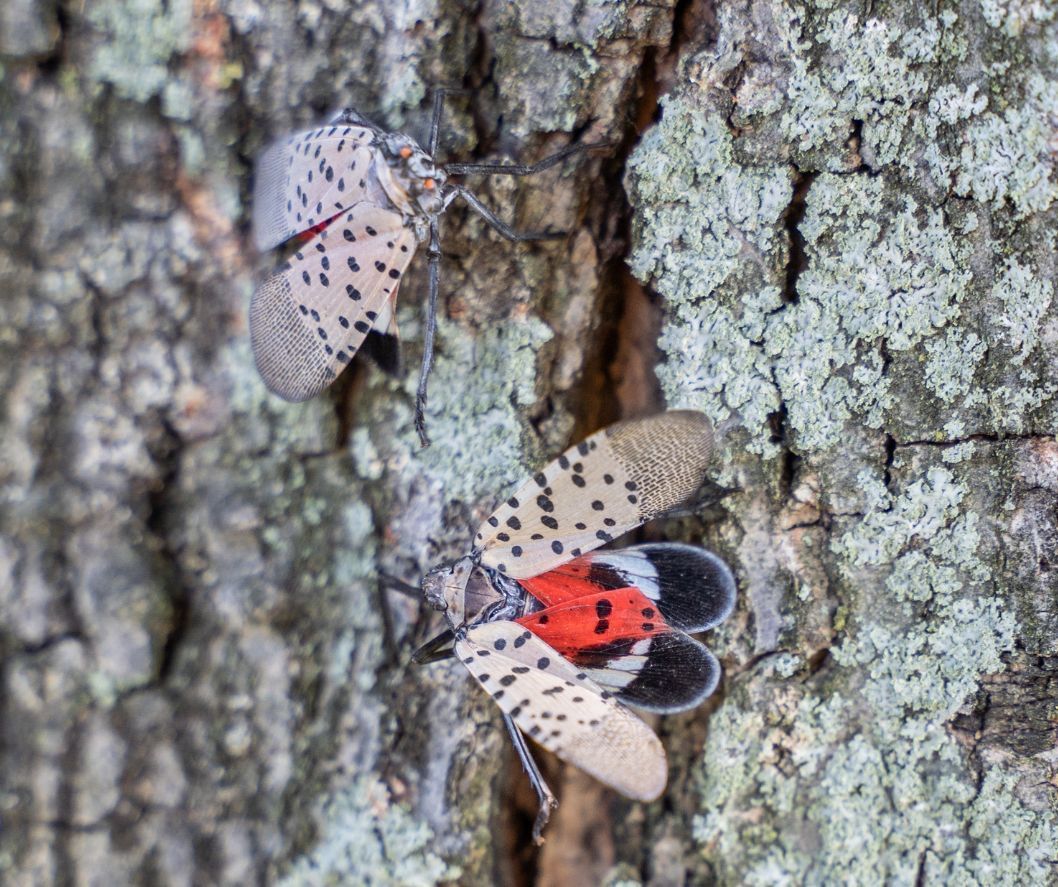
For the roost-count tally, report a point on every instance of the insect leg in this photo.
(543, 793)
(435, 649)
(434, 254)
(399, 585)
(502, 227)
(435, 118)
(519, 169)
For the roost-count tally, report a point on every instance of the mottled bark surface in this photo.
(840, 223)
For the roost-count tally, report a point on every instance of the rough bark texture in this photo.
(842, 221)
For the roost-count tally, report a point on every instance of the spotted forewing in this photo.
(608, 484)
(564, 710)
(309, 318)
(309, 178)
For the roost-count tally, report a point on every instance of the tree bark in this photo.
(830, 226)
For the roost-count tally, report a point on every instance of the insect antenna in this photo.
(543, 793)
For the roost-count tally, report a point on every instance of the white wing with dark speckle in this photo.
(560, 707)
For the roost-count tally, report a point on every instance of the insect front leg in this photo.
(499, 225)
(439, 95)
(434, 254)
(546, 800)
(392, 583)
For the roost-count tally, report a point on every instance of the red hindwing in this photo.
(588, 617)
(622, 617)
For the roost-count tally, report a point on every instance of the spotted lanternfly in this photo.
(359, 200)
(561, 634)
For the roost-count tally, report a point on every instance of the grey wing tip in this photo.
(691, 417)
(264, 236)
(280, 386)
(288, 357)
(268, 219)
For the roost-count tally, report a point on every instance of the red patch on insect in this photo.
(601, 617)
(307, 235)
(568, 583)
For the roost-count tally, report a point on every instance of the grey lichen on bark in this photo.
(849, 213)
(846, 214)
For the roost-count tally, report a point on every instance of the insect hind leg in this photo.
(352, 117)
(546, 800)
(434, 254)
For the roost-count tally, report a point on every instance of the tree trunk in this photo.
(839, 221)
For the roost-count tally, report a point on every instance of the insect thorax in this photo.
(411, 180)
(492, 596)
(467, 592)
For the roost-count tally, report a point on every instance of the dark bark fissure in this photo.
(978, 437)
(890, 456)
(619, 381)
(167, 561)
(792, 218)
(796, 263)
(856, 146)
(618, 378)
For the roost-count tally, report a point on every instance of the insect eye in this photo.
(429, 184)
(405, 152)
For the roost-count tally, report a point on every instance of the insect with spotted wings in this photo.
(560, 634)
(360, 200)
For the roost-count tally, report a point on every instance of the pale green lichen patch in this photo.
(875, 278)
(879, 70)
(1011, 155)
(1014, 844)
(865, 760)
(367, 838)
(702, 220)
(922, 310)
(1020, 336)
(479, 437)
(881, 274)
(1025, 298)
(1013, 17)
(876, 77)
(137, 41)
(952, 361)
